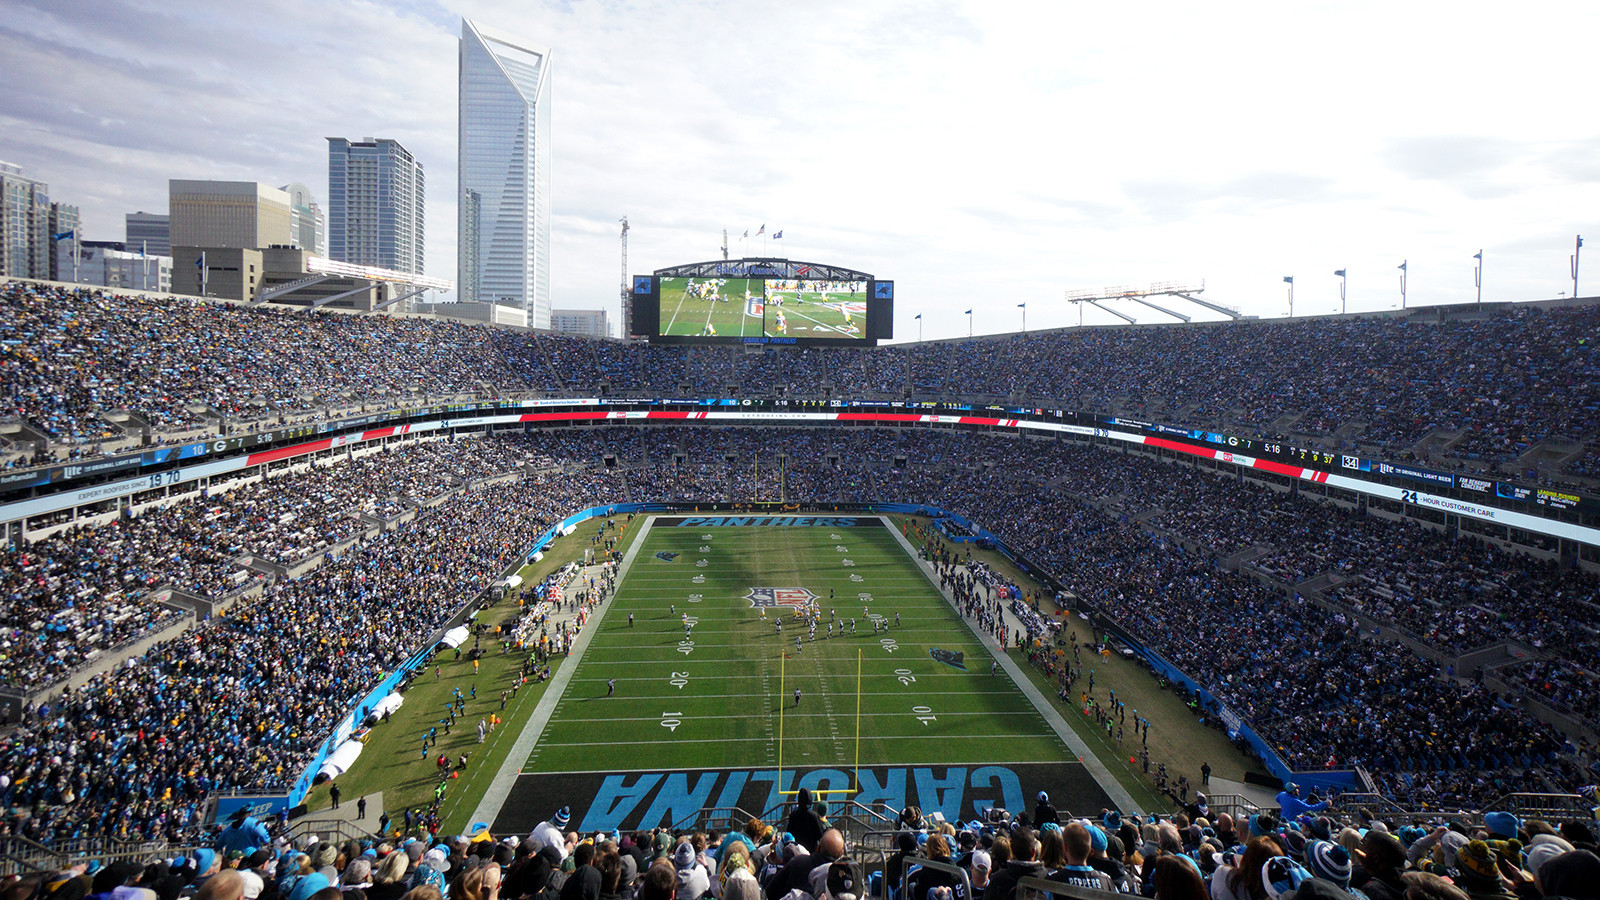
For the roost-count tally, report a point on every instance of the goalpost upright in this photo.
(855, 773)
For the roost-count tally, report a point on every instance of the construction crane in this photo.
(627, 296)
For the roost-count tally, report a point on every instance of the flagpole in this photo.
(77, 246)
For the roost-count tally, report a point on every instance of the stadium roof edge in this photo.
(763, 266)
(1438, 312)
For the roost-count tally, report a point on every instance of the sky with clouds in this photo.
(982, 154)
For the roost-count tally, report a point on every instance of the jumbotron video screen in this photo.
(754, 307)
(761, 301)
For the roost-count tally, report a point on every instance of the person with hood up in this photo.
(584, 882)
(1044, 813)
(804, 823)
(693, 881)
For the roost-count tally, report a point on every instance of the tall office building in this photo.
(150, 233)
(308, 227)
(375, 204)
(587, 322)
(24, 224)
(238, 215)
(503, 148)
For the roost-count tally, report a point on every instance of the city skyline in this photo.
(1237, 149)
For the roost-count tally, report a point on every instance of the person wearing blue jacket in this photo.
(245, 834)
(1291, 807)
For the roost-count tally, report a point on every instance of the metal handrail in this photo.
(936, 865)
(1031, 888)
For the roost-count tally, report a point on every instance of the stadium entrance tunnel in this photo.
(647, 799)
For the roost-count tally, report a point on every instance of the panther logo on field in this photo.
(769, 598)
(666, 556)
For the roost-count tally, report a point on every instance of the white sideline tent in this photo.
(388, 704)
(455, 637)
(340, 760)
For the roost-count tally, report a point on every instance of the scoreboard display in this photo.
(777, 302)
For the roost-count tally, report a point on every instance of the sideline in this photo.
(1120, 798)
(494, 797)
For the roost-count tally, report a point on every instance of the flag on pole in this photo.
(1019, 306)
(776, 235)
(62, 236)
(762, 230)
(917, 316)
(1288, 279)
(747, 232)
(1477, 256)
(969, 312)
(201, 262)
(1403, 266)
(1339, 272)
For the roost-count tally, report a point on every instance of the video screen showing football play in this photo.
(743, 658)
(711, 307)
(760, 301)
(803, 307)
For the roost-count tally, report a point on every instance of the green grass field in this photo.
(714, 698)
(692, 316)
(392, 762)
(815, 315)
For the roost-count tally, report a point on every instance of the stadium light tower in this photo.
(1342, 306)
(1477, 275)
(1289, 280)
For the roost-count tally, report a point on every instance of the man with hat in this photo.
(1291, 807)
(549, 833)
(1044, 813)
(1478, 873)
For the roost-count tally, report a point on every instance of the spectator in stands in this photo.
(1021, 862)
(1242, 879)
(804, 823)
(1382, 861)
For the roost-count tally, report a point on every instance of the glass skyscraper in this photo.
(504, 157)
(375, 204)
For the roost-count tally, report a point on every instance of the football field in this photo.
(694, 307)
(659, 720)
(815, 315)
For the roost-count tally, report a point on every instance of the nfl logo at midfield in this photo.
(768, 598)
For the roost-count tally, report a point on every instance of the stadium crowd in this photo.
(135, 751)
(87, 588)
(1507, 379)
(1194, 854)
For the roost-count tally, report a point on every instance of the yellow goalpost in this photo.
(855, 772)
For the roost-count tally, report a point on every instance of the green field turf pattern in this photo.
(688, 316)
(718, 704)
(818, 316)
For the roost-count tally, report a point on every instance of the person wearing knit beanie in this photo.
(1329, 861)
(1478, 873)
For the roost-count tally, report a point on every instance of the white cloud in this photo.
(979, 153)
